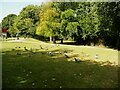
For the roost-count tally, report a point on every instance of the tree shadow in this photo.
(72, 43)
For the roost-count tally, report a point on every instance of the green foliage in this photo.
(66, 5)
(109, 22)
(26, 26)
(49, 21)
(27, 20)
(68, 15)
(71, 30)
(8, 23)
(88, 19)
(30, 11)
(12, 31)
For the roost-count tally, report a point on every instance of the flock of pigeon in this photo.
(51, 53)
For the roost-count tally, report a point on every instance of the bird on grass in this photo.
(51, 53)
(46, 47)
(17, 47)
(77, 60)
(30, 49)
(42, 53)
(58, 45)
(41, 47)
(96, 56)
(18, 53)
(65, 51)
(71, 51)
(25, 49)
(65, 54)
(60, 52)
(13, 49)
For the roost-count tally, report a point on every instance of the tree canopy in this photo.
(8, 23)
(88, 22)
(49, 21)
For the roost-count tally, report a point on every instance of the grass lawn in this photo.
(42, 70)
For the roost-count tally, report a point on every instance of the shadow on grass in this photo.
(72, 43)
(42, 70)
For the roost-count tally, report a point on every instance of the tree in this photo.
(49, 22)
(72, 30)
(109, 22)
(26, 27)
(0, 29)
(31, 12)
(88, 21)
(27, 20)
(8, 23)
(66, 5)
(69, 25)
(68, 15)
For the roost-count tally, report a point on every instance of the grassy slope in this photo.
(56, 71)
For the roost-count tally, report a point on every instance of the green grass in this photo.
(42, 70)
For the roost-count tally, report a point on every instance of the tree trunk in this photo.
(54, 41)
(61, 41)
(50, 38)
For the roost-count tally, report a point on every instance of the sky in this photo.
(15, 6)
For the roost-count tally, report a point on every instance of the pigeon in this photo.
(18, 53)
(96, 56)
(65, 51)
(25, 49)
(71, 51)
(41, 47)
(66, 55)
(17, 47)
(30, 49)
(13, 49)
(60, 52)
(46, 48)
(51, 53)
(76, 60)
(58, 45)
